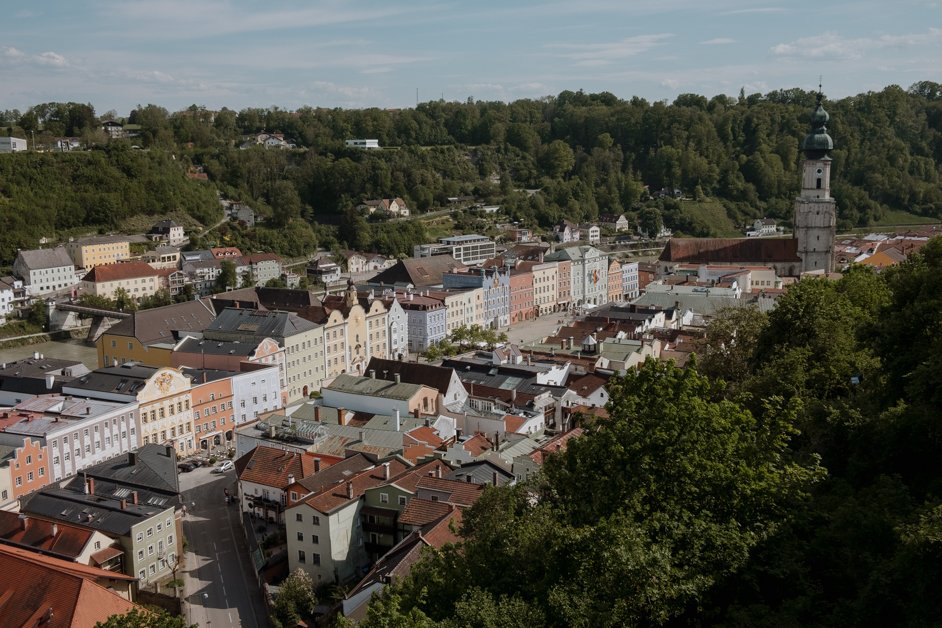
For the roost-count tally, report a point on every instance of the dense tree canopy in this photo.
(586, 154)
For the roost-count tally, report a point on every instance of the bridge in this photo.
(66, 315)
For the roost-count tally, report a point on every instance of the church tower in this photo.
(815, 210)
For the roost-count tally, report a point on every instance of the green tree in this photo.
(634, 522)
(732, 336)
(145, 618)
(295, 601)
(226, 279)
(123, 301)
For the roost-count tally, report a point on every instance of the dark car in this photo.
(186, 467)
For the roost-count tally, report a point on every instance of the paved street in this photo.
(220, 588)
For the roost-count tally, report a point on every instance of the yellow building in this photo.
(148, 336)
(98, 251)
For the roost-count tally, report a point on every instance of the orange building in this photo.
(24, 465)
(213, 415)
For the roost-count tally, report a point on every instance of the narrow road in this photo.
(220, 589)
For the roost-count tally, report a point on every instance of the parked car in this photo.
(186, 467)
(225, 465)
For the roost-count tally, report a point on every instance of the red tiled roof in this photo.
(255, 258)
(441, 533)
(224, 252)
(557, 444)
(106, 554)
(414, 453)
(343, 492)
(513, 422)
(67, 540)
(459, 493)
(477, 445)
(121, 271)
(271, 467)
(420, 512)
(424, 434)
(35, 586)
(586, 384)
(408, 479)
(730, 250)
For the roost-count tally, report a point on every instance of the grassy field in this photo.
(900, 217)
(713, 214)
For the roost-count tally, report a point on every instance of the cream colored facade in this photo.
(138, 279)
(376, 332)
(93, 252)
(304, 362)
(545, 287)
(165, 411)
(462, 307)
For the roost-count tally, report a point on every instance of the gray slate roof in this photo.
(46, 258)
(151, 467)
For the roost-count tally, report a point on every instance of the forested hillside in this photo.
(791, 477)
(586, 153)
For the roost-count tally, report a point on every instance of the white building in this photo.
(467, 249)
(254, 392)
(45, 270)
(629, 280)
(10, 290)
(589, 278)
(368, 144)
(12, 145)
(78, 432)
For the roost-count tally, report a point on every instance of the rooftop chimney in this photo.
(124, 504)
(132, 458)
(317, 413)
(494, 478)
(341, 416)
(398, 421)
(386, 471)
(50, 381)
(349, 490)
(397, 378)
(372, 373)
(134, 497)
(89, 485)
(290, 479)
(317, 465)
(438, 471)
(271, 431)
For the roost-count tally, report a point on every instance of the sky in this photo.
(117, 54)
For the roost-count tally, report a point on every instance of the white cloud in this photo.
(718, 41)
(608, 52)
(832, 45)
(15, 55)
(51, 58)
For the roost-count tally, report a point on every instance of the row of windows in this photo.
(315, 558)
(29, 476)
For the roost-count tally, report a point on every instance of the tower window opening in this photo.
(819, 183)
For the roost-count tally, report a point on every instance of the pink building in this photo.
(615, 292)
(522, 307)
(565, 285)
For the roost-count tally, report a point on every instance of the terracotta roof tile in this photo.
(271, 467)
(343, 492)
(440, 533)
(34, 585)
(420, 512)
(459, 493)
(121, 271)
(477, 445)
(730, 250)
(423, 434)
